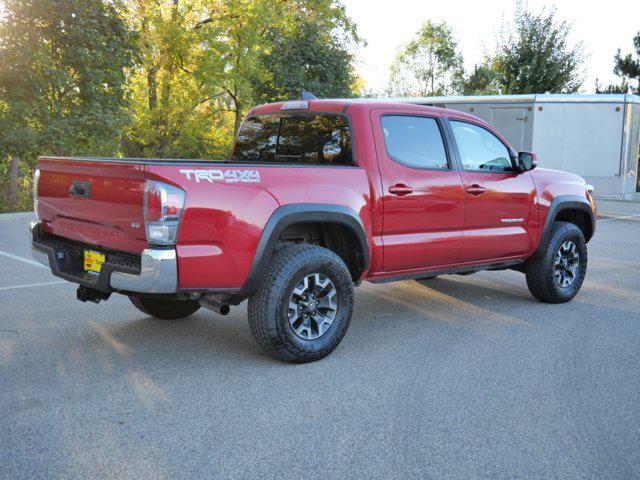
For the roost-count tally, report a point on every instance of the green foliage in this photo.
(173, 113)
(429, 65)
(206, 62)
(310, 51)
(623, 87)
(157, 78)
(536, 57)
(62, 77)
(482, 81)
(628, 67)
(22, 201)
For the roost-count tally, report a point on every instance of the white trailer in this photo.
(595, 136)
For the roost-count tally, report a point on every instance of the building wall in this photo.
(584, 138)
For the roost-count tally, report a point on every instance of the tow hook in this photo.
(86, 294)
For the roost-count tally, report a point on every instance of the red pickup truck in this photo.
(319, 196)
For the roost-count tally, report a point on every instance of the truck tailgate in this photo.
(95, 202)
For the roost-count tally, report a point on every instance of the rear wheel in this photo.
(556, 273)
(303, 307)
(165, 308)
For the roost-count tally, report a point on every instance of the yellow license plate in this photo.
(93, 261)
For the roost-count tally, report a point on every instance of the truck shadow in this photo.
(206, 335)
(473, 289)
(480, 304)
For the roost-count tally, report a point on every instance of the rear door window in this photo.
(316, 139)
(414, 141)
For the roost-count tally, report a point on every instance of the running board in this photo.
(468, 269)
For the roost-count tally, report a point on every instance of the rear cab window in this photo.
(306, 139)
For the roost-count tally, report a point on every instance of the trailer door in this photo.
(510, 121)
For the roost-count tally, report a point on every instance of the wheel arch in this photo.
(287, 216)
(573, 209)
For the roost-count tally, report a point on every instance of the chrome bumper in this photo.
(158, 274)
(158, 270)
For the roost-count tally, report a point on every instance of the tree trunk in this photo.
(238, 118)
(13, 180)
(153, 89)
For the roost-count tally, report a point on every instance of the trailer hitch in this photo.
(86, 294)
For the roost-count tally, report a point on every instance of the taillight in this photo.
(36, 180)
(163, 206)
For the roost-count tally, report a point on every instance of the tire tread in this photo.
(539, 280)
(285, 262)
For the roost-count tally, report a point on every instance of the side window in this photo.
(318, 139)
(480, 149)
(414, 141)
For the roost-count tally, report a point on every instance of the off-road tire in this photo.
(165, 308)
(539, 270)
(268, 308)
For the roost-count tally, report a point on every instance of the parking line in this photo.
(29, 285)
(613, 217)
(22, 259)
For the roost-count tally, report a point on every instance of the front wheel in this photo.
(165, 308)
(555, 274)
(304, 305)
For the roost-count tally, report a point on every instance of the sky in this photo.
(387, 25)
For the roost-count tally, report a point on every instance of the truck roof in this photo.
(342, 105)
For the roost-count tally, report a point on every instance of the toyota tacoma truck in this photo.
(318, 196)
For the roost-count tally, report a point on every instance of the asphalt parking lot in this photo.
(455, 377)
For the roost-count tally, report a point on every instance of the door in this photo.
(510, 122)
(500, 217)
(423, 200)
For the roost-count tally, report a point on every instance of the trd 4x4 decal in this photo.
(228, 176)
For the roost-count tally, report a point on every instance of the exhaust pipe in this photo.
(218, 307)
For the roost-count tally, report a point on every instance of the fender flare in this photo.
(567, 202)
(287, 215)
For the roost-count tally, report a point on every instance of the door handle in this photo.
(80, 189)
(476, 190)
(400, 189)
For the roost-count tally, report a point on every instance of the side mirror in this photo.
(527, 161)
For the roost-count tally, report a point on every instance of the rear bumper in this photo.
(158, 274)
(156, 270)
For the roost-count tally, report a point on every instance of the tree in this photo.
(612, 88)
(429, 65)
(205, 63)
(482, 81)
(310, 51)
(243, 26)
(536, 57)
(174, 113)
(62, 77)
(627, 67)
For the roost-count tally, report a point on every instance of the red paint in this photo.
(105, 219)
(415, 220)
